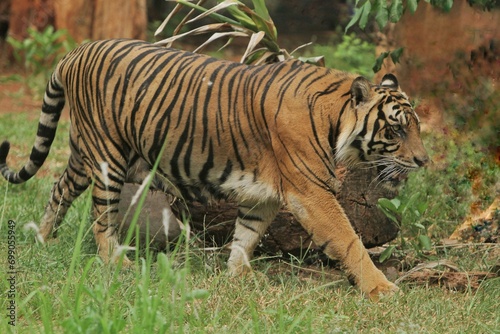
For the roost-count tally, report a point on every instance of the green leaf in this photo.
(412, 5)
(355, 18)
(446, 5)
(396, 11)
(241, 17)
(262, 24)
(380, 61)
(396, 54)
(261, 9)
(386, 253)
(363, 20)
(425, 242)
(382, 16)
(387, 204)
(409, 202)
(318, 61)
(396, 202)
(422, 207)
(420, 226)
(388, 209)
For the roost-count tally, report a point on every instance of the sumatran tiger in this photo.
(264, 136)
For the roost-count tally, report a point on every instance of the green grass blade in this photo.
(242, 17)
(261, 9)
(75, 258)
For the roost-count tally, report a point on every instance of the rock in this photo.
(155, 210)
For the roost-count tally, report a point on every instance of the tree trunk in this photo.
(29, 13)
(84, 19)
(119, 19)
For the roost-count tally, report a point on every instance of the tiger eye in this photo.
(397, 128)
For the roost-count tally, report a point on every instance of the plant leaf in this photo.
(260, 57)
(396, 11)
(363, 20)
(242, 17)
(354, 19)
(300, 47)
(254, 41)
(396, 54)
(386, 253)
(422, 207)
(397, 203)
(388, 209)
(379, 61)
(318, 61)
(261, 9)
(447, 4)
(382, 16)
(420, 226)
(388, 204)
(412, 5)
(214, 27)
(218, 35)
(262, 24)
(217, 17)
(162, 26)
(425, 242)
(218, 7)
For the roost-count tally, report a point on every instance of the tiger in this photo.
(264, 136)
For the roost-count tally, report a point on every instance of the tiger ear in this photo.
(389, 80)
(360, 90)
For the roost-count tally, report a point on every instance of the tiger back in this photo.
(264, 136)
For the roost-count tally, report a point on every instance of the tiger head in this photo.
(387, 131)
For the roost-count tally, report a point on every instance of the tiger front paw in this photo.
(238, 269)
(383, 289)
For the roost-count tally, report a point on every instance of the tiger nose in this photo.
(421, 161)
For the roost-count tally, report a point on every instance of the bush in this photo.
(39, 54)
(351, 55)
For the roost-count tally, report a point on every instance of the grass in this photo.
(62, 287)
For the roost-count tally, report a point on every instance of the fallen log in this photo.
(214, 223)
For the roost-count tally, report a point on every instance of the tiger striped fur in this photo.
(264, 136)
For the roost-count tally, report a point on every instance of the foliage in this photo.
(398, 211)
(383, 12)
(352, 55)
(394, 55)
(256, 25)
(238, 20)
(434, 200)
(39, 54)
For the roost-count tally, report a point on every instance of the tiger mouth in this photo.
(393, 175)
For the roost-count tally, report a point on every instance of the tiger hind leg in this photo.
(252, 222)
(106, 196)
(71, 184)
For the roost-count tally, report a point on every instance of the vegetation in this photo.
(39, 54)
(237, 20)
(351, 54)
